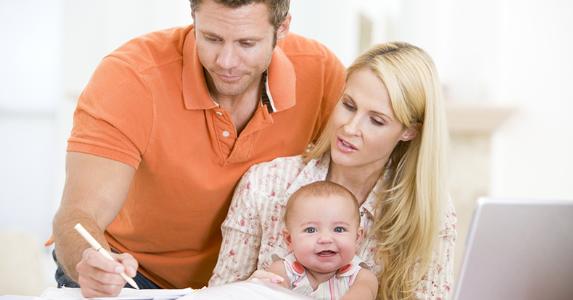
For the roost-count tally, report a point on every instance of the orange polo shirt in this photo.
(147, 105)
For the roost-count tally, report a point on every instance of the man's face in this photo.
(234, 45)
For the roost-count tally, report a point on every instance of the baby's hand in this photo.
(267, 276)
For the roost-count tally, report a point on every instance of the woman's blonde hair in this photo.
(410, 206)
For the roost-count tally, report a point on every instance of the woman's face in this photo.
(364, 128)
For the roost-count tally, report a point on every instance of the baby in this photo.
(322, 234)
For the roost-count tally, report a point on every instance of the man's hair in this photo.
(278, 9)
(322, 189)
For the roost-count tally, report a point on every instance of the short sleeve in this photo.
(114, 114)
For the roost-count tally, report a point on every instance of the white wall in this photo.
(510, 53)
(533, 152)
(30, 32)
(335, 23)
(30, 90)
(92, 29)
(309, 19)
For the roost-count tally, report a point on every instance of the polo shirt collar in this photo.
(279, 82)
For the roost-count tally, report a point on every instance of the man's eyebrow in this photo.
(246, 38)
(205, 32)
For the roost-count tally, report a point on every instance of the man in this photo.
(166, 127)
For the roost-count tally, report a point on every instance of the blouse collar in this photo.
(317, 170)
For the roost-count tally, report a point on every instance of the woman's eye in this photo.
(377, 122)
(348, 105)
(310, 230)
(339, 229)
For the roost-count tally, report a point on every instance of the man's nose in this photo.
(228, 57)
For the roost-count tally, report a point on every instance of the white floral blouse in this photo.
(252, 231)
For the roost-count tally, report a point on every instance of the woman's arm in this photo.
(365, 286)
(242, 235)
(237, 258)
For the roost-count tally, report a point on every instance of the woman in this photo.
(385, 142)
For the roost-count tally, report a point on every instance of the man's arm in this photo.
(365, 286)
(94, 192)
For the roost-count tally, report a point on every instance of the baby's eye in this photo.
(310, 230)
(339, 229)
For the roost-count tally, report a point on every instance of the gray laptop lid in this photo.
(518, 249)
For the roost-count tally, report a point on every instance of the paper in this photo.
(126, 294)
(245, 290)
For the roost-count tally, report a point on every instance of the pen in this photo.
(90, 239)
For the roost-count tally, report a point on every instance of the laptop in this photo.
(518, 249)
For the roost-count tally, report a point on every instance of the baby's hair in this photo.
(325, 189)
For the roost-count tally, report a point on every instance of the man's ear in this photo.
(410, 133)
(284, 28)
(288, 239)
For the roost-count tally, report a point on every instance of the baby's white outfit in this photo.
(332, 289)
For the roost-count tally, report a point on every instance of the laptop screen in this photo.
(518, 249)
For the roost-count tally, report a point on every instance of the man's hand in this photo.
(99, 276)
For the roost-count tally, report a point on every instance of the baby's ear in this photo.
(288, 239)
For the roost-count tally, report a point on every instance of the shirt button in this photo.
(219, 113)
(226, 133)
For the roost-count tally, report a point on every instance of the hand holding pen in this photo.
(104, 253)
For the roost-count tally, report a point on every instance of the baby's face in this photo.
(323, 232)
